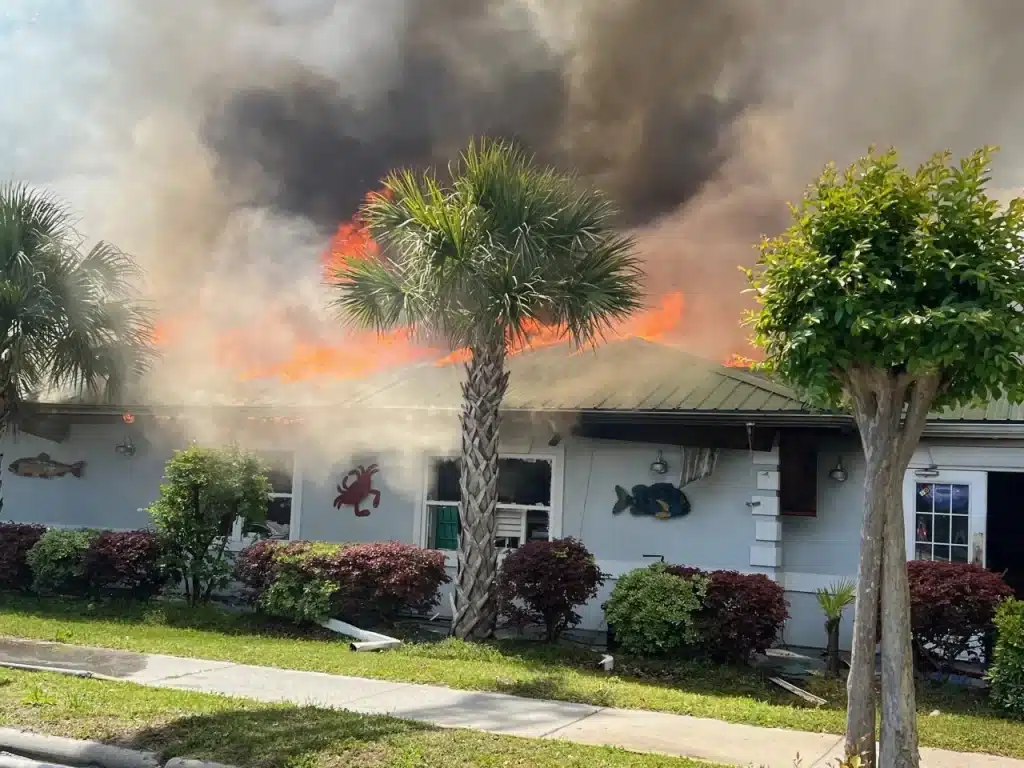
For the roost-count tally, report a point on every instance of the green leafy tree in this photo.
(477, 261)
(70, 321)
(893, 293)
(206, 490)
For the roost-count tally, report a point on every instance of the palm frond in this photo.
(68, 317)
(835, 600)
(507, 245)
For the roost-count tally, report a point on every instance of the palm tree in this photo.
(479, 260)
(68, 316)
(834, 601)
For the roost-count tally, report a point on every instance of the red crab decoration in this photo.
(356, 487)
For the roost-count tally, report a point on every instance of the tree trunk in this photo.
(860, 684)
(832, 664)
(891, 409)
(898, 748)
(476, 605)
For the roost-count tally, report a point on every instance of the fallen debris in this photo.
(39, 668)
(366, 640)
(805, 695)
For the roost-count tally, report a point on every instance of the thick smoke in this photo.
(223, 141)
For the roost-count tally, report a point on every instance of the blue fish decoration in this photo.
(660, 500)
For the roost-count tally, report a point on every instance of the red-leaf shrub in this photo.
(16, 539)
(381, 580)
(254, 566)
(543, 582)
(742, 614)
(952, 605)
(370, 581)
(129, 561)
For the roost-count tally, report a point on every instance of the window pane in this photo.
(940, 552)
(960, 500)
(444, 481)
(537, 525)
(279, 470)
(507, 542)
(942, 495)
(958, 554)
(524, 481)
(941, 529)
(923, 530)
(959, 530)
(923, 552)
(924, 497)
(280, 511)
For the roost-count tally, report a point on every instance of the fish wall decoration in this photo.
(660, 500)
(45, 467)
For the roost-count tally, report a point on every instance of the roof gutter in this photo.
(936, 428)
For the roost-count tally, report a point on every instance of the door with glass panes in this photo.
(944, 514)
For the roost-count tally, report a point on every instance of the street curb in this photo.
(74, 751)
(13, 761)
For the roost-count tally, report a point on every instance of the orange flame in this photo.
(356, 354)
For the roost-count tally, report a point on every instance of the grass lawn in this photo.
(966, 721)
(254, 735)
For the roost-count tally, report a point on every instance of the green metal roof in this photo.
(627, 375)
(996, 411)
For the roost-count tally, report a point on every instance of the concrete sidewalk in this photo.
(635, 730)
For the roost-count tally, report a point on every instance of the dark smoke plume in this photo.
(639, 115)
(223, 140)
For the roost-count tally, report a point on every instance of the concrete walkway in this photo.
(634, 730)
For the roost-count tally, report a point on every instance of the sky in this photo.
(48, 73)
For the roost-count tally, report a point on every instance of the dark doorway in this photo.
(1005, 534)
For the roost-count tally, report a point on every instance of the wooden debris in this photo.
(805, 695)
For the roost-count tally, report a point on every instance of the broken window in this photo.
(524, 502)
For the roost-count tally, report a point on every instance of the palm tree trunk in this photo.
(476, 605)
(833, 667)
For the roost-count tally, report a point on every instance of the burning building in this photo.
(229, 145)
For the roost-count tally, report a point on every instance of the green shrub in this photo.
(58, 562)
(653, 610)
(313, 581)
(206, 490)
(301, 589)
(1007, 671)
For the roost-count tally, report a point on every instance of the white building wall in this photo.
(729, 527)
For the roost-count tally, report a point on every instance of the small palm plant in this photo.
(833, 602)
(477, 260)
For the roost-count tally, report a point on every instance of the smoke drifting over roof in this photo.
(223, 141)
(629, 101)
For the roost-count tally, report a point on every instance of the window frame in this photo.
(238, 541)
(977, 509)
(421, 527)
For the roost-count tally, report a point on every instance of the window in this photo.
(280, 472)
(798, 474)
(942, 521)
(524, 502)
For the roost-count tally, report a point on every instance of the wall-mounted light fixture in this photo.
(659, 466)
(125, 448)
(838, 472)
(929, 471)
(556, 436)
